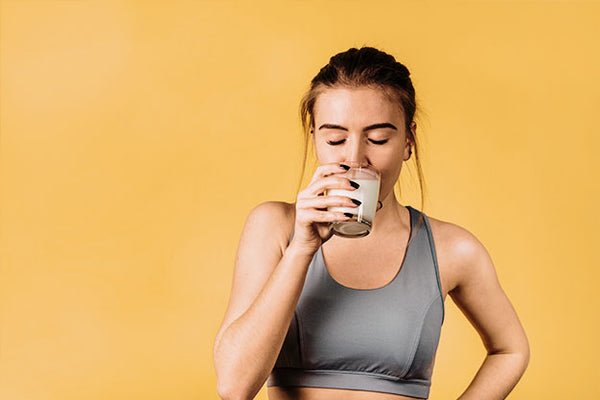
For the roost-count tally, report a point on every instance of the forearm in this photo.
(247, 350)
(497, 376)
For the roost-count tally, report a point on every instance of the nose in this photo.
(357, 152)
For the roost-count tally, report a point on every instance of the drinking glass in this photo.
(361, 223)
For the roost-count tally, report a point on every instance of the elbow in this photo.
(521, 358)
(230, 388)
(225, 393)
(226, 388)
(522, 361)
(234, 381)
(222, 392)
(229, 391)
(517, 356)
(526, 353)
(519, 351)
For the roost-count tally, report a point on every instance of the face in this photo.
(361, 125)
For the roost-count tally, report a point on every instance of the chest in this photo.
(390, 328)
(370, 267)
(364, 267)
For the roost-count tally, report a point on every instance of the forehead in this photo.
(362, 105)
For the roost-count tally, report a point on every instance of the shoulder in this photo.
(272, 209)
(274, 217)
(459, 252)
(455, 239)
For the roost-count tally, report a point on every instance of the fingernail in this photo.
(349, 215)
(357, 202)
(354, 184)
(346, 167)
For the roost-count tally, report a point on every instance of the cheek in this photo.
(390, 171)
(324, 152)
(390, 162)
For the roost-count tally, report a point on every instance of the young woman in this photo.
(318, 316)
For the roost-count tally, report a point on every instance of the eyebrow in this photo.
(368, 128)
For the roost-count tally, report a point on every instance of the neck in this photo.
(390, 216)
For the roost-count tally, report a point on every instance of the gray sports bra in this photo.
(381, 340)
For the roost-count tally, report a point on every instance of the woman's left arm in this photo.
(482, 300)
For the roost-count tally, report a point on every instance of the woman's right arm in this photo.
(268, 281)
(247, 346)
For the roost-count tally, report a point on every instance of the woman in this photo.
(318, 316)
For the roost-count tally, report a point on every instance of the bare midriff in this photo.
(311, 393)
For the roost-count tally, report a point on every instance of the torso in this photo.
(360, 269)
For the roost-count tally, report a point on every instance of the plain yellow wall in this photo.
(136, 137)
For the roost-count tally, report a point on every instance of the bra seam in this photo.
(415, 342)
(300, 338)
(435, 264)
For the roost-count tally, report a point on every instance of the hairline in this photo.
(389, 92)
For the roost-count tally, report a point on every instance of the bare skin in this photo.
(269, 274)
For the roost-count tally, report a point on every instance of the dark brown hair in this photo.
(369, 67)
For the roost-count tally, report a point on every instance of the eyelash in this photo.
(378, 142)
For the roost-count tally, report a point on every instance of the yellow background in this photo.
(136, 137)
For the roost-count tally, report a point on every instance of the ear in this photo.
(313, 142)
(409, 140)
(413, 130)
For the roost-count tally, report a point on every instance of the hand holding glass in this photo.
(361, 223)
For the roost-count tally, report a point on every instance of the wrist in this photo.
(301, 250)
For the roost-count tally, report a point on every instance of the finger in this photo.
(323, 202)
(330, 182)
(327, 170)
(311, 215)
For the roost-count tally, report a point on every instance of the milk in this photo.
(360, 225)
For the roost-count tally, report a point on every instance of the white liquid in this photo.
(367, 193)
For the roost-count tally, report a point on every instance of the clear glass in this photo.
(361, 223)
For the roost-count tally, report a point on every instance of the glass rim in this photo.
(357, 167)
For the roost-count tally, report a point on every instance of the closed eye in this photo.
(371, 140)
(379, 141)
